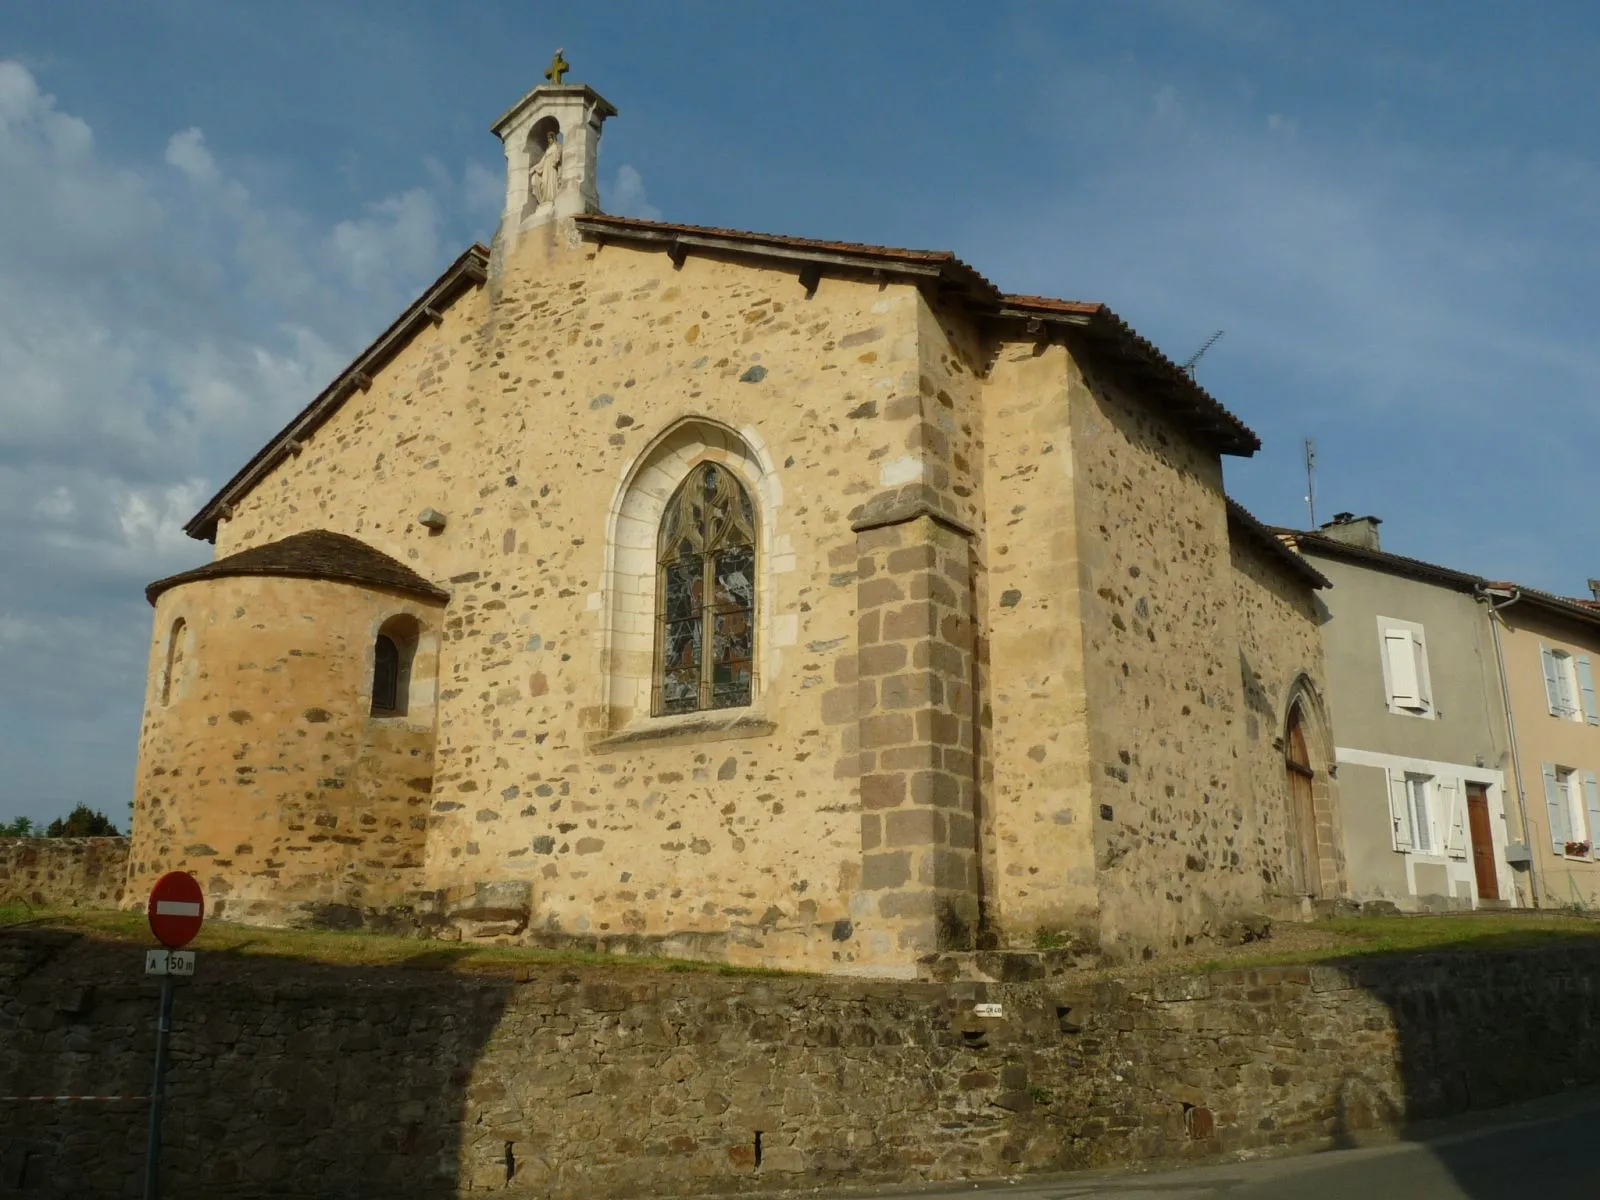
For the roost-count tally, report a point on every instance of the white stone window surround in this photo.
(1403, 656)
(627, 602)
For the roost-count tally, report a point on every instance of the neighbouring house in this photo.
(745, 596)
(1424, 751)
(1549, 646)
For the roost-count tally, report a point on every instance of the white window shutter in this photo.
(1450, 814)
(1591, 801)
(1552, 684)
(1405, 688)
(1555, 801)
(1419, 668)
(1591, 713)
(1399, 810)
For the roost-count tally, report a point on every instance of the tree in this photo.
(82, 822)
(21, 827)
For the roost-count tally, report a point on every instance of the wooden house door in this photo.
(1482, 842)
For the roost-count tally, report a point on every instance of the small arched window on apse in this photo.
(705, 595)
(172, 673)
(392, 653)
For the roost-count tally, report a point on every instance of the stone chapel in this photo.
(739, 596)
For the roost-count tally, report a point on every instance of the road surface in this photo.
(1548, 1150)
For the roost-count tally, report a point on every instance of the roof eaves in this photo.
(469, 270)
(1264, 537)
(313, 554)
(1563, 606)
(920, 266)
(1382, 560)
(582, 90)
(1228, 434)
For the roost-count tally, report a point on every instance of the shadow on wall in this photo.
(286, 1079)
(1482, 1030)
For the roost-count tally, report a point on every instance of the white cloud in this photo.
(397, 239)
(626, 197)
(157, 323)
(187, 151)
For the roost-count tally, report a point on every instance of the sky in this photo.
(207, 210)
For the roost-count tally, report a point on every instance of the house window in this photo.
(1569, 685)
(705, 595)
(1427, 813)
(1405, 667)
(1419, 812)
(1572, 803)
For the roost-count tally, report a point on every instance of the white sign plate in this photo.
(987, 1010)
(169, 962)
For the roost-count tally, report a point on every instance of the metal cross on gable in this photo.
(557, 68)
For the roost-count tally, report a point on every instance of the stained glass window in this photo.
(706, 595)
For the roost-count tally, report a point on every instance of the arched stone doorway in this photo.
(1302, 807)
(1315, 853)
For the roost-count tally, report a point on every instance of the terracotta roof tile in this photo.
(317, 554)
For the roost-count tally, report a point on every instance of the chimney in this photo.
(1353, 530)
(1594, 588)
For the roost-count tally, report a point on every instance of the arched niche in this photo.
(179, 657)
(539, 138)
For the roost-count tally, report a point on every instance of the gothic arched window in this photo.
(705, 595)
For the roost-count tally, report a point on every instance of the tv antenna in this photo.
(1311, 480)
(1211, 341)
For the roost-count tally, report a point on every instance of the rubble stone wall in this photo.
(63, 872)
(291, 1079)
(262, 769)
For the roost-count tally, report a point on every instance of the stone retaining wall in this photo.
(298, 1080)
(63, 872)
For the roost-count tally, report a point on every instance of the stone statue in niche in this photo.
(545, 175)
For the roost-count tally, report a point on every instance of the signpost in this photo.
(177, 907)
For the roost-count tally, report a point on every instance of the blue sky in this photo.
(208, 209)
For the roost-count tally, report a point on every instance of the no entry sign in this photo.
(177, 906)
